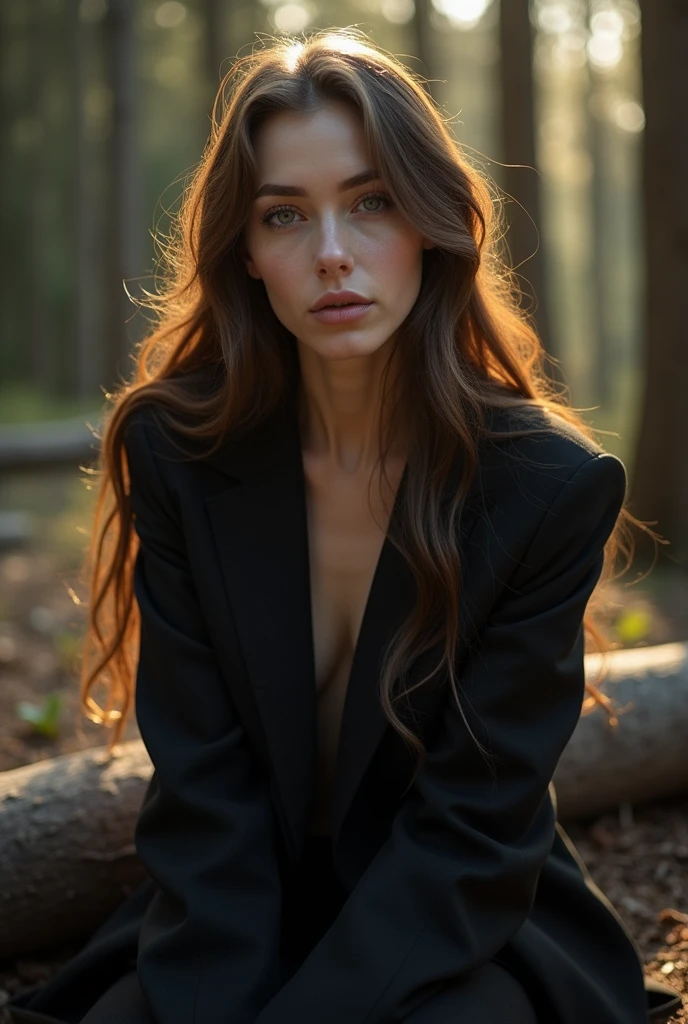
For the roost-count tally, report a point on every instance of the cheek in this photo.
(270, 263)
(401, 267)
(280, 274)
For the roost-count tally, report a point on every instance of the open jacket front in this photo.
(468, 865)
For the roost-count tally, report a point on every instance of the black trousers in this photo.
(313, 897)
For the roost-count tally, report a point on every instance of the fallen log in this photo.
(67, 823)
(645, 756)
(28, 447)
(66, 835)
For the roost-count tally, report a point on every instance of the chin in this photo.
(345, 345)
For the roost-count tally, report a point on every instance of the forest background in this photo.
(576, 111)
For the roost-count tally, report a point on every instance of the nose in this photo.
(333, 252)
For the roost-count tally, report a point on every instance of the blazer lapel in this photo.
(260, 530)
(259, 523)
(390, 600)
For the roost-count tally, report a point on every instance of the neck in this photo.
(339, 411)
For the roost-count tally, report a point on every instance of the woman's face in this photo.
(312, 237)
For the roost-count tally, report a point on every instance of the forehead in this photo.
(291, 146)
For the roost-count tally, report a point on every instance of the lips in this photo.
(335, 315)
(341, 298)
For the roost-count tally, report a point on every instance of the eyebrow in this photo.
(297, 190)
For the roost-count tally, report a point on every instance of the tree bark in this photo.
(421, 46)
(601, 381)
(66, 832)
(644, 757)
(660, 484)
(214, 46)
(520, 176)
(84, 218)
(39, 228)
(124, 235)
(67, 824)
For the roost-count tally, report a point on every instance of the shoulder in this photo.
(156, 460)
(143, 425)
(148, 433)
(531, 455)
(149, 419)
(539, 501)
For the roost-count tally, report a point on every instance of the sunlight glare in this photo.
(170, 14)
(291, 17)
(464, 14)
(554, 19)
(605, 50)
(293, 54)
(628, 115)
(607, 23)
(570, 50)
(398, 12)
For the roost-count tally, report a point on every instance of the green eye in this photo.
(269, 214)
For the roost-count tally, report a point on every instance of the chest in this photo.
(347, 526)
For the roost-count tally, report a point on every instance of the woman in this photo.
(361, 605)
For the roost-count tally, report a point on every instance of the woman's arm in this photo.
(457, 877)
(209, 943)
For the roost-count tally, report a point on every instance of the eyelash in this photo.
(265, 219)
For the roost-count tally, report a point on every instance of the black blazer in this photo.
(440, 880)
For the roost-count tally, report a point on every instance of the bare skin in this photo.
(331, 240)
(345, 544)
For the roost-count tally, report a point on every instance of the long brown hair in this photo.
(467, 346)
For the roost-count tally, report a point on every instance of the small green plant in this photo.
(45, 718)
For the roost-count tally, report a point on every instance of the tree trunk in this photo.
(84, 218)
(601, 381)
(421, 46)
(41, 312)
(214, 47)
(521, 178)
(660, 482)
(124, 237)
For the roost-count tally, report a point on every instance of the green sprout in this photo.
(45, 718)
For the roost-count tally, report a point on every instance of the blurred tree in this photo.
(422, 37)
(226, 31)
(86, 375)
(214, 45)
(521, 179)
(599, 385)
(5, 178)
(123, 239)
(660, 482)
(40, 323)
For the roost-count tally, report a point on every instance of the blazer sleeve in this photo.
(209, 941)
(457, 876)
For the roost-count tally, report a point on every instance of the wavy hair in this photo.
(467, 347)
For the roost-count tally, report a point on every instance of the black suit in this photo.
(466, 867)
